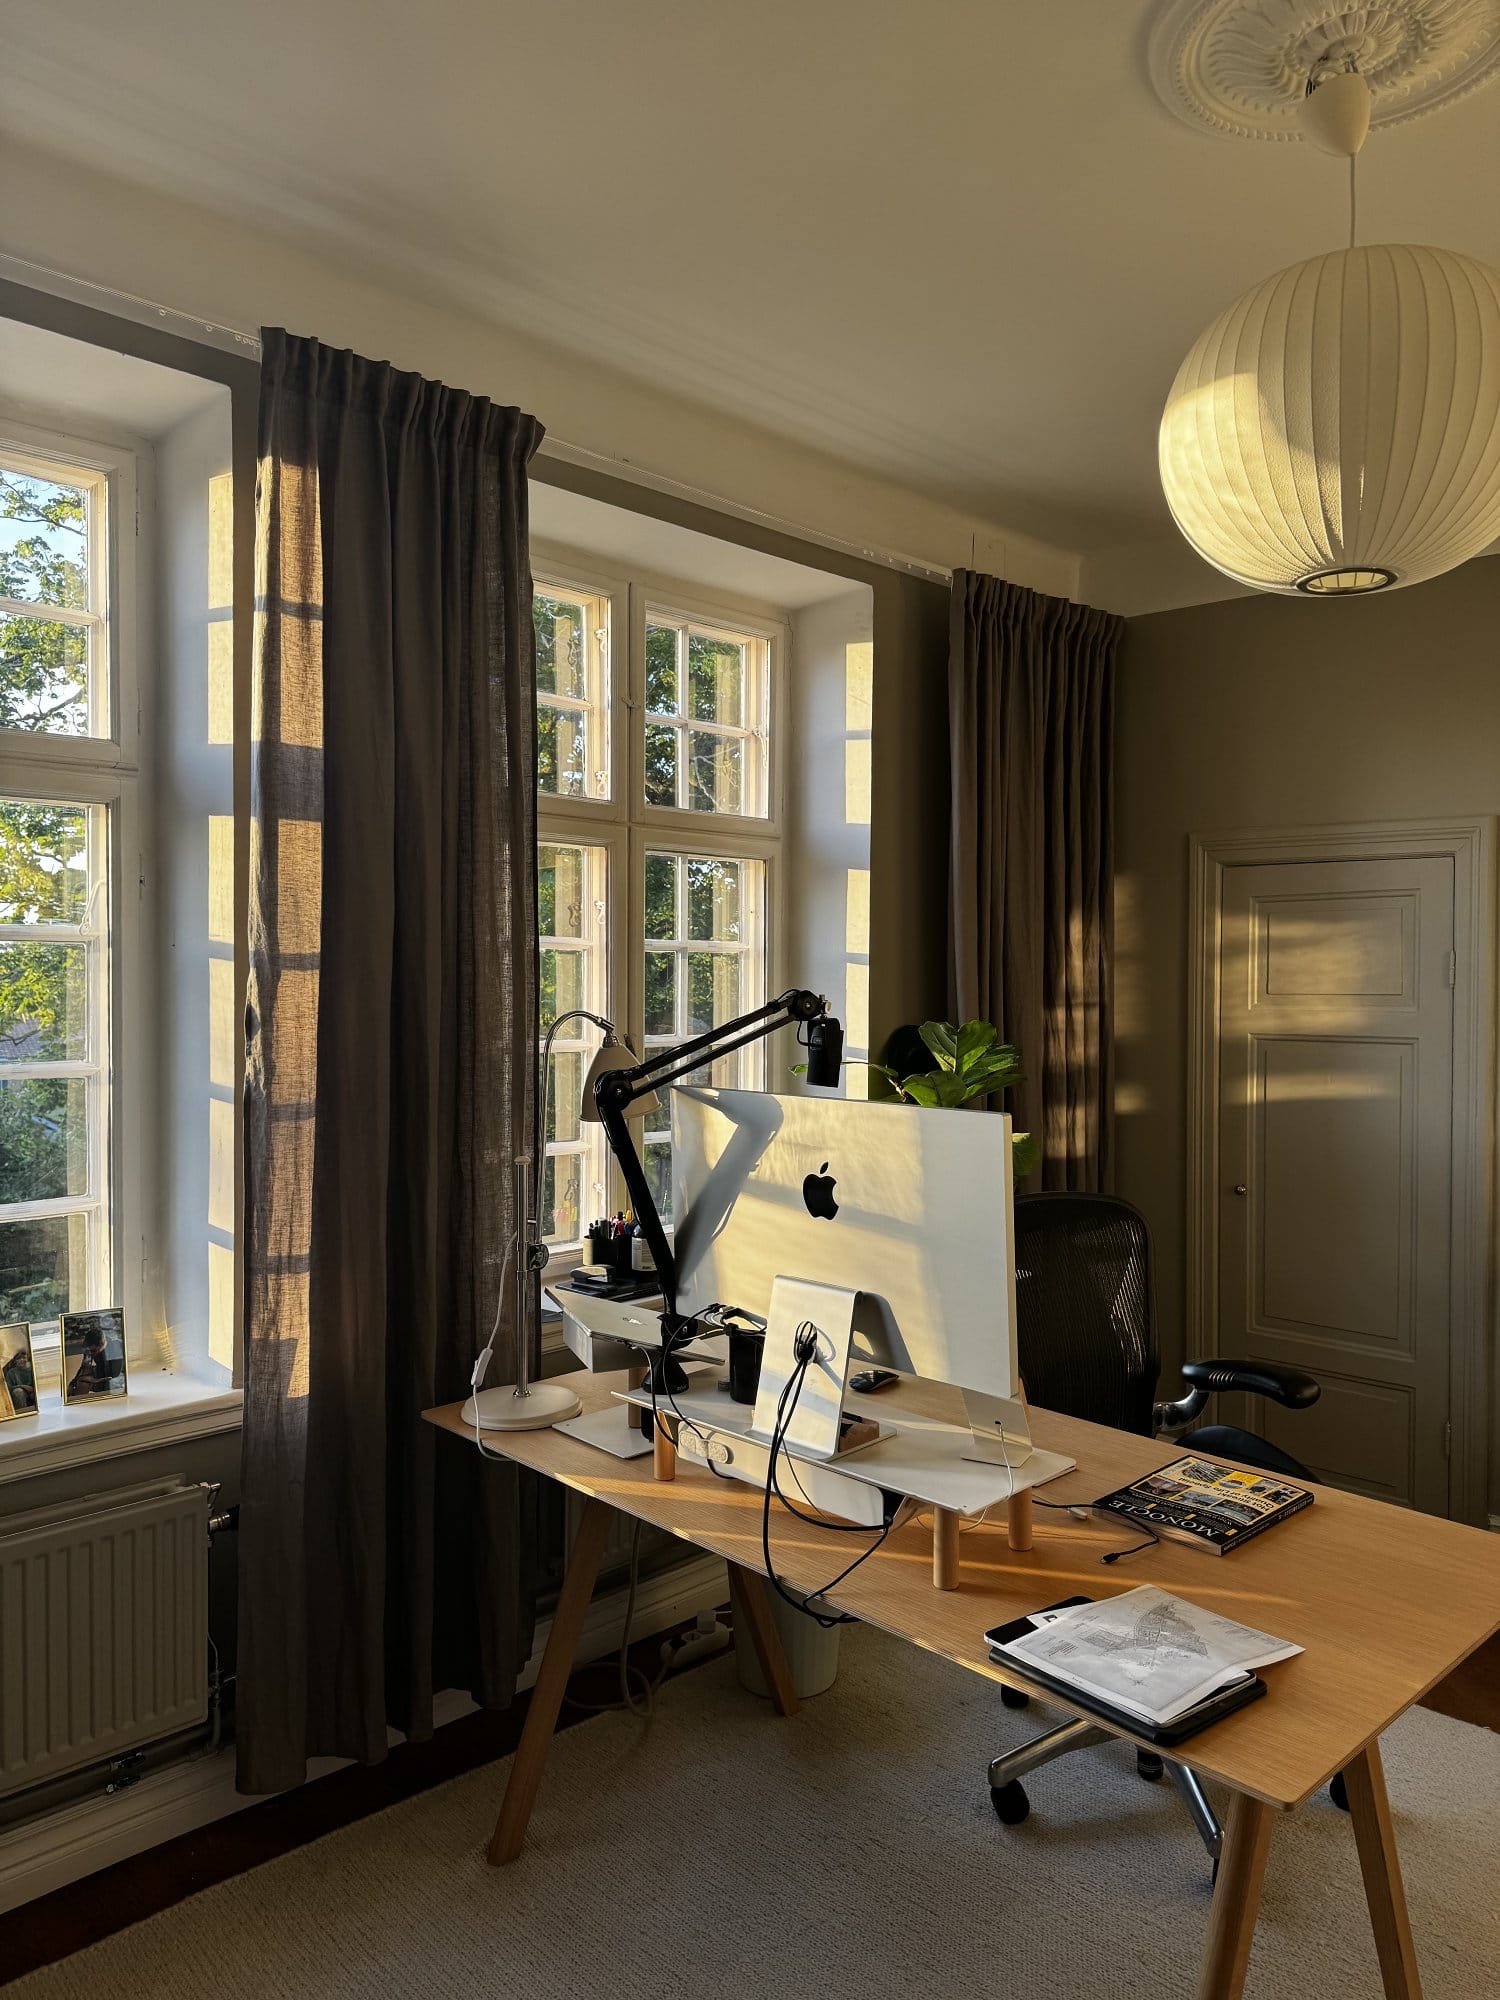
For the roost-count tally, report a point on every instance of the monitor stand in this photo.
(1001, 1428)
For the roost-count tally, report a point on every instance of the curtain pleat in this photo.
(391, 1053)
(1031, 714)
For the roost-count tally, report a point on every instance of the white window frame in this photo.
(103, 772)
(626, 826)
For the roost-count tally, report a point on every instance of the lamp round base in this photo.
(541, 1404)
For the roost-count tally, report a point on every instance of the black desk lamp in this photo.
(619, 1088)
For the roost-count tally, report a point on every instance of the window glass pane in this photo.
(561, 646)
(713, 900)
(661, 764)
(562, 1198)
(44, 1141)
(561, 892)
(661, 896)
(572, 681)
(44, 550)
(43, 1268)
(44, 675)
(565, 1100)
(562, 752)
(713, 989)
(656, 1157)
(562, 984)
(661, 669)
(572, 907)
(661, 993)
(43, 1016)
(716, 680)
(715, 764)
(43, 863)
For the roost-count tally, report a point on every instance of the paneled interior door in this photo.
(1336, 1159)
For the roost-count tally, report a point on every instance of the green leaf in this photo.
(1026, 1154)
(974, 1038)
(921, 1089)
(942, 1041)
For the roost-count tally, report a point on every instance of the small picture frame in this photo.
(93, 1345)
(17, 1372)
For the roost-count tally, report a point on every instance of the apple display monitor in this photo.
(911, 1208)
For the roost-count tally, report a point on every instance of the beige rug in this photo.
(849, 1854)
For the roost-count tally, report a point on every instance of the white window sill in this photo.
(162, 1408)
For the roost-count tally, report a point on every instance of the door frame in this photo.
(1470, 844)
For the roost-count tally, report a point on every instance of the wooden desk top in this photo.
(1384, 1601)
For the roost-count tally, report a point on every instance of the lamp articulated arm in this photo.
(618, 1089)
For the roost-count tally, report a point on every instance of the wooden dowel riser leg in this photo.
(551, 1684)
(1018, 1520)
(663, 1452)
(946, 1563)
(1379, 1864)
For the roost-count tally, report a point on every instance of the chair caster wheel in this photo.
(1148, 1766)
(1010, 1802)
(1338, 1791)
(1013, 1698)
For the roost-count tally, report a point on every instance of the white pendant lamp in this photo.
(1337, 429)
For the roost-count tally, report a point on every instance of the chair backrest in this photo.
(1086, 1309)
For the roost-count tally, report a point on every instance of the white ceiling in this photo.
(634, 541)
(961, 244)
(49, 373)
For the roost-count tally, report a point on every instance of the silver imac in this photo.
(910, 1208)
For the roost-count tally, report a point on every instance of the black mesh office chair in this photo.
(1086, 1334)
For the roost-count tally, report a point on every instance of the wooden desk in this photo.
(1384, 1602)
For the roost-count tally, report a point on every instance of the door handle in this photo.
(1240, 1188)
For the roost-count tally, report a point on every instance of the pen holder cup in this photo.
(746, 1346)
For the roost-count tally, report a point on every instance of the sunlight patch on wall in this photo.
(859, 665)
(221, 1304)
(221, 879)
(221, 608)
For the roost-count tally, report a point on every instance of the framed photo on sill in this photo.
(17, 1372)
(93, 1345)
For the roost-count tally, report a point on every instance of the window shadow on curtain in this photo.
(1031, 719)
(391, 1029)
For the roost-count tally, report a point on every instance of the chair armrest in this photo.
(1290, 1387)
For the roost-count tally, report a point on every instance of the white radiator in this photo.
(103, 1628)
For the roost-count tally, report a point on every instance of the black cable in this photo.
(1110, 1555)
(792, 1389)
(694, 1319)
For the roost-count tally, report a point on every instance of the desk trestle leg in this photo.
(752, 1612)
(551, 1684)
(1370, 1811)
(1236, 1905)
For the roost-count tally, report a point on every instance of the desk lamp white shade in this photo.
(614, 1054)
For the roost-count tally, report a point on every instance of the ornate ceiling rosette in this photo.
(1240, 67)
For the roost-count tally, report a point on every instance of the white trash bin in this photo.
(812, 1652)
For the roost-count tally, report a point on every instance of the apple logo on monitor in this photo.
(817, 1194)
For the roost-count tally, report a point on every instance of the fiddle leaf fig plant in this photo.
(972, 1063)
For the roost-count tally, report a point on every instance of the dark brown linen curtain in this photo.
(1031, 717)
(391, 1052)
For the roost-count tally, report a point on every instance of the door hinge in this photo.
(1447, 1440)
(1453, 968)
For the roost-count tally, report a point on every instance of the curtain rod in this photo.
(151, 312)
